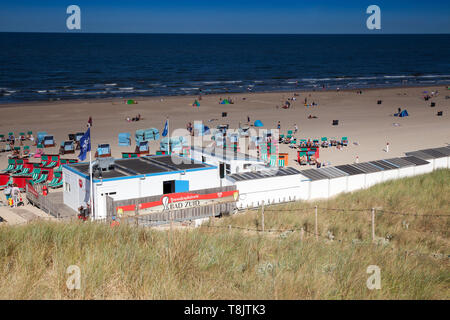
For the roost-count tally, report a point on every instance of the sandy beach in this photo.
(368, 126)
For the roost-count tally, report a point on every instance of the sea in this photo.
(64, 66)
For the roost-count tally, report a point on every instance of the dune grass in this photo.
(216, 262)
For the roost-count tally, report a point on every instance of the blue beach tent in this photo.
(258, 123)
(404, 113)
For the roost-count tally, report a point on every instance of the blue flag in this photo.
(85, 145)
(166, 128)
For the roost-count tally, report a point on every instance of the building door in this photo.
(169, 186)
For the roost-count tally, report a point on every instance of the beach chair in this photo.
(124, 139)
(103, 150)
(273, 160)
(26, 151)
(10, 167)
(56, 181)
(78, 136)
(42, 178)
(324, 143)
(302, 156)
(316, 143)
(22, 136)
(143, 148)
(35, 173)
(53, 161)
(24, 172)
(49, 142)
(44, 160)
(303, 143)
(18, 167)
(67, 147)
(40, 137)
(344, 141)
(333, 142)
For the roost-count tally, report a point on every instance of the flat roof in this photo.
(142, 166)
(443, 150)
(367, 167)
(288, 171)
(314, 175)
(399, 162)
(383, 165)
(332, 172)
(225, 154)
(434, 153)
(351, 170)
(420, 155)
(415, 160)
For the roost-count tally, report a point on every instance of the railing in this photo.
(35, 197)
(156, 218)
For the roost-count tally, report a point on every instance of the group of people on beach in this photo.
(13, 195)
(136, 118)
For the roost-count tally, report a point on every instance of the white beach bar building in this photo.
(134, 178)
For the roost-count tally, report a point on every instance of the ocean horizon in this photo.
(67, 66)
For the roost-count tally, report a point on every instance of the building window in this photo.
(228, 168)
(247, 165)
(203, 159)
(67, 185)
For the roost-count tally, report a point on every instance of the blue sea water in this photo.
(62, 66)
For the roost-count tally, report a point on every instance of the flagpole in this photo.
(168, 132)
(90, 175)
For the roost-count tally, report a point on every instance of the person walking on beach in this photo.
(89, 122)
(248, 119)
(7, 192)
(279, 125)
(295, 128)
(387, 147)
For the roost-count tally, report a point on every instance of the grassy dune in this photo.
(215, 262)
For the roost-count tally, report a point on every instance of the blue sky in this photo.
(226, 16)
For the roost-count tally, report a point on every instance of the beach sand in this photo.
(361, 119)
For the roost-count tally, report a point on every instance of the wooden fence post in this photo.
(316, 225)
(263, 215)
(373, 224)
